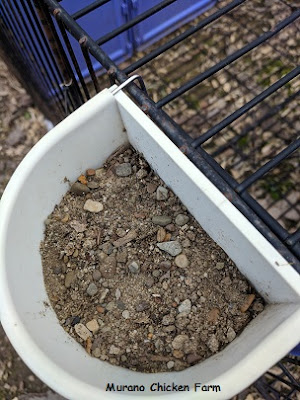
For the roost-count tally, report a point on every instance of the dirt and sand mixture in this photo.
(134, 278)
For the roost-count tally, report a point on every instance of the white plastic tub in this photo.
(84, 140)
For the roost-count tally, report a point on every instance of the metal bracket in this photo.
(130, 79)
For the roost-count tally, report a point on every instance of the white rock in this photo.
(93, 206)
(93, 326)
(82, 331)
(170, 364)
(125, 314)
(185, 306)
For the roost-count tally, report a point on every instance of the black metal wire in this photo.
(166, 46)
(134, 21)
(256, 100)
(91, 7)
(40, 37)
(228, 60)
(268, 166)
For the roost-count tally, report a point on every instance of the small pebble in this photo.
(161, 220)
(142, 173)
(231, 335)
(161, 193)
(79, 188)
(93, 206)
(103, 294)
(161, 234)
(70, 278)
(213, 344)
(96, 275)
(125, 314)
(181, 219)
(82, 179)
(90, 172)
(93, 185)
(120, 232)
(93, 326)
(179, 341)
(173, 248)
(118, 294)
(185, 306)
(134, 267)
(108, 266)
(96, 352)
(149, 282)
(123, 170)
(170, 364)
(220, 265)
(92, 289)
(181, 261)
(165, 265)
(114, 350)
(168, 319)
(178, 354)
(82, 331)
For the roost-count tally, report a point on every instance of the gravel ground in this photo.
(22, 125)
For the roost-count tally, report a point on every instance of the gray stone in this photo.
(92, 289)
(134, 267)
(123, 169)
(181, 219)
(161, 220)
(170, 364)
(173, 248)
(96, 275)
(185, 306)
(79, 188)
(161, 193)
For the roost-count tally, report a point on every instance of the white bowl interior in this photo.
(84, 140)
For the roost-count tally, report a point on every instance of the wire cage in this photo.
(224, 88)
